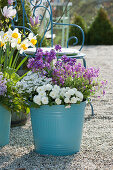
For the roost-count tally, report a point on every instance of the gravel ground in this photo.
(97, 141)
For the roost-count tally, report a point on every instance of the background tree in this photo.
(101, 30)
(76, 31)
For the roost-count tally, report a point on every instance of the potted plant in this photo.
(10, 100)
(57, 90)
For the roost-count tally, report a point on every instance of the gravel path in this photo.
(97, 141)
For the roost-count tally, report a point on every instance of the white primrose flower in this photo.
(56, 88)
(73, 100)
(37, 99)
(42, 93)
(53, 94)
(67, 95)
(58, 101)
(79, 95)
(67, 100)
(45, 100)
(62, 94)
(40, 89)
(48, 87)
(67, 88)
(71, 91)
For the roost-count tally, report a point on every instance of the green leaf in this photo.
(15, 60)
(11, 57)
(21, 63)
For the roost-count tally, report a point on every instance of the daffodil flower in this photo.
(23, 46)
(15, 34)
(32, 40)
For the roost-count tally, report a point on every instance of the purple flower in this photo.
(34, 21)
(58, 47)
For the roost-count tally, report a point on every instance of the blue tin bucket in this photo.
(5, 121)
(57, 130)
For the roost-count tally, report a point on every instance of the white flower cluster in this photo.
(56, 94)
(30, 82)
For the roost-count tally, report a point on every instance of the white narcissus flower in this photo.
(8, 12)
(1, 34)
(15, 34)
(44, 100)
(2, 43)
(73, 100)
(67, 100)
(32, 39)
(23, 46)
(7, 35)
(15, 37)
(37, 99)
(79, 95)
(58, 101)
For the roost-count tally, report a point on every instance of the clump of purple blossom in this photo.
(58, 47)
(3, 86)
(42, 62)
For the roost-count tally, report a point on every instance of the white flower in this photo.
(48, 87)
(32, 39)
(79, 94)
(67, 95)
(53, 94)
(23, 46)
(45, 100)
(67, 107)
(73, 100)
(67, 100)
(8, 12)
(62, 93)
(42, 94)
(56, 88)
(71, 91)
(67, 88)
(58, 101)
(37, 99)
(40, 89)
(75, 90)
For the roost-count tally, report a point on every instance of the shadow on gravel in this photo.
(21, 136)
(35, 161)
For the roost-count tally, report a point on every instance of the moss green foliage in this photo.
(101, 30)
(78, 20)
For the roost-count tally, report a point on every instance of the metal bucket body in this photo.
(5, 121)
(57, 130)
